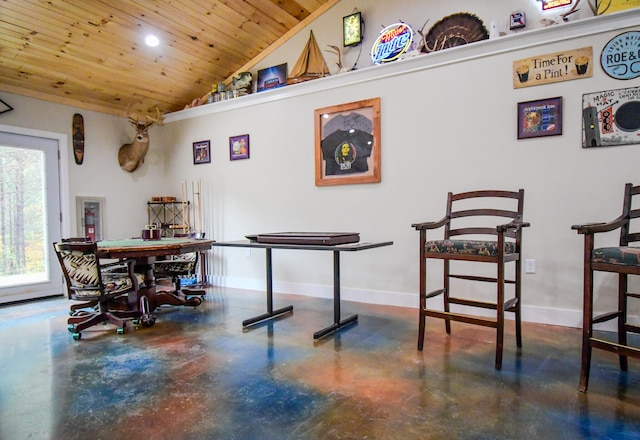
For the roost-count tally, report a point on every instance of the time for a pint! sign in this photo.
(393, 41)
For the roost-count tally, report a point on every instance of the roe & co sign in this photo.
(393, 41)
(620, 57)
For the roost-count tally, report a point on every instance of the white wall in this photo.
(327, 29)
(448, 124)
(100, 175)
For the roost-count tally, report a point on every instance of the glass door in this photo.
(29, 217)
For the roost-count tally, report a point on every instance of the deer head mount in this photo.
(131, 155)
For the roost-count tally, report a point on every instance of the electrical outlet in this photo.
(530, 266)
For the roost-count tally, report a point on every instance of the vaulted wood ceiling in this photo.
(91, 53)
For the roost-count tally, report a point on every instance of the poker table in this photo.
(145, 253)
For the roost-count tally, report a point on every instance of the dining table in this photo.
(145, 252)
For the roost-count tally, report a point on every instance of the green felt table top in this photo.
(137, 242)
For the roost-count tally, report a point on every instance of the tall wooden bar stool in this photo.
(475, 231)
(623, 260)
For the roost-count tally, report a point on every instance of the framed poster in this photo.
(352, 29)
(611, 117)
(201, 152)
(272, 77)
(540, 118)
(239, 147)
(347, 143)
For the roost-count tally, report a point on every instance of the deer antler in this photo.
(135, 119)
(423, 40)
(592, 5)
(336, 50)
(157, 120)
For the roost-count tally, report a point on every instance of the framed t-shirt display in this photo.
(347, 143)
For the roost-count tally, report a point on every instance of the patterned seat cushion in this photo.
(468, 247)
(83, 274)
(175, 266)
(624, 256)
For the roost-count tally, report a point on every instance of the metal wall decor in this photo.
(620, 57)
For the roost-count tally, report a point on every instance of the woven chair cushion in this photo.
(468, 247)
(83, 274)
(624, 256)
(174, 266)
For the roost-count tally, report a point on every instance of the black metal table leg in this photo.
(270, 312)
(337, 323)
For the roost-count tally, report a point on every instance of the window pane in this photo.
(22, 216)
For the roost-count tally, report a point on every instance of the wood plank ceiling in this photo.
(91, 53)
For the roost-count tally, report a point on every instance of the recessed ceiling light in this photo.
(152, 40)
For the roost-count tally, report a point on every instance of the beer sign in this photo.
(552, 4)
(393, 41)
(620, 58)
(553, 67)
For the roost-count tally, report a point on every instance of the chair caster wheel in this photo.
(76, 336)
(149, 321)
(120, 331)
(71, 327)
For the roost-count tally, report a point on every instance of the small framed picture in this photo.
(272, 77)
(201, 152)
(239, 147)
(352, 29)
(540, 118)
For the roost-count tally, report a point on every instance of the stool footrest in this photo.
(469, 319)
(623, 350)
(606, 317)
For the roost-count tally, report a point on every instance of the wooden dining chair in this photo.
(478, 227)
(179, 268)
(623, 260)
(87, 280)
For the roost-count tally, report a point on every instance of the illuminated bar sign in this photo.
(393, 41)
(551, 4)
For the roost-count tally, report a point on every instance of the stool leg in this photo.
(587, 325)
(500, 316)
(518, 290)
(445, 295)
(423, 296)
(622, 317)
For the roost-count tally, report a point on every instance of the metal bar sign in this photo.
(554, 67)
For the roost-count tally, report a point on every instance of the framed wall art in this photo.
(201, 152)
(611, 117)
(272, 77)
(347, 143)
(540, 118)
(239, 147)
(352, 29)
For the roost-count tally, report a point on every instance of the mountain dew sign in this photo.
(393, 41)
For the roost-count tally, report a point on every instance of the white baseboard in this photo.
(535, 314)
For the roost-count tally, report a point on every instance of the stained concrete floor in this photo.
(196, 374)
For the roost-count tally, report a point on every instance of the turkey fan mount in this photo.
(455, 30)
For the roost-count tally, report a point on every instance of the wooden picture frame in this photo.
(347, 143)
(201, 152)
(540, 118)
(239, 147)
